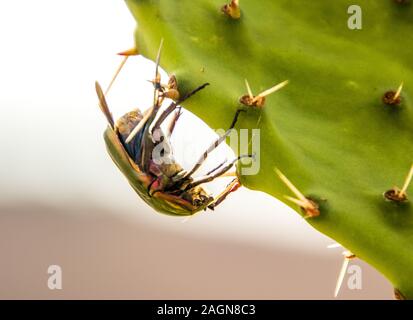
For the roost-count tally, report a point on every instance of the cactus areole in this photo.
(342, 130)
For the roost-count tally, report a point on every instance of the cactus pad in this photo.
(335, 131)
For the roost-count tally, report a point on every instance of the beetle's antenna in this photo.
(271, 90)
(103, 105)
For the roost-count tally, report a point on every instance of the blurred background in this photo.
(63, 202)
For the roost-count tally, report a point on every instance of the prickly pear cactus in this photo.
(340, 131)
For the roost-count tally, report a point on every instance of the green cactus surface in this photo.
(329, 131)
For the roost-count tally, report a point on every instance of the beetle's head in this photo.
(198, 197)
(186, 203)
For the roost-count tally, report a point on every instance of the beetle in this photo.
(164, 185)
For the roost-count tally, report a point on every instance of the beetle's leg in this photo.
(214, 145)
(217, 167)
(227, 174)
(147, 151)
(218, 173)
(173, 122)
(148, 189)
(147, 144)
(232, 187)
(173, 106)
